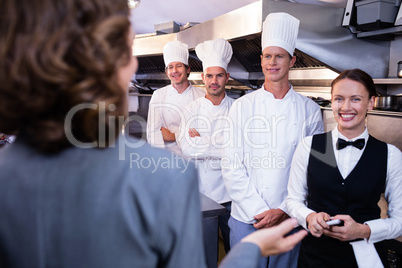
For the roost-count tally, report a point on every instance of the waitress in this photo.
(341, 175)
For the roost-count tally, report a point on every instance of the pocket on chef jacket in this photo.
(214, 164)
(208, 164)
(257, 133)
(268, 195)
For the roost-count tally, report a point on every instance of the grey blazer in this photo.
(114, 207)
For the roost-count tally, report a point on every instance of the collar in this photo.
(185, 91)
(288, 95)
(208, 102)
(336, 134)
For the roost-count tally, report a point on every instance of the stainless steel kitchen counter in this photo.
(210, 212)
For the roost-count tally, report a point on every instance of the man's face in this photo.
(275, 63)
(177, 72)
(215, 79)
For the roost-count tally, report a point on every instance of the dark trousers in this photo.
(332, 253)
(223, 225)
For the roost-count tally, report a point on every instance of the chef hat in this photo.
(280, 30)
(217, 52)
(175, 51)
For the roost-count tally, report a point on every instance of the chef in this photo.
(267, 125)
(165, 106)
(203, 125)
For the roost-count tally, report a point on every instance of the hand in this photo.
(349, 231)
(270, 218)
(272, 241)
(167, 135)
(193, 133)
(316, 223)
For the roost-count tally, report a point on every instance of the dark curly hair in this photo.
(55, 55)
(360, 76)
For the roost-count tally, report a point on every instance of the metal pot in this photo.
(388, 103)
(320, 101)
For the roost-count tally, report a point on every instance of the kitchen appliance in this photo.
(399, 69)
(389, 103)
(375, 14)
(321, 101)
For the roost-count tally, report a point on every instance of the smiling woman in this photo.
(358, 168)
(353, 95)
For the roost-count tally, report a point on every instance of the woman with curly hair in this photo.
(74, 191)
(56, 56)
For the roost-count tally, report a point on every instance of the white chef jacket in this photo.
(346, 160)
(207, 149)
(165, 110)
(265, 133)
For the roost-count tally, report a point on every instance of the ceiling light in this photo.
(134, 3)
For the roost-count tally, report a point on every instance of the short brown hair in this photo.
(54, 56)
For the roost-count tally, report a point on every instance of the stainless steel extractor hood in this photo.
(324, 47)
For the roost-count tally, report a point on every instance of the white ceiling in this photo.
(151, 12)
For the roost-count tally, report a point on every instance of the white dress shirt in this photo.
(165, 110)
(264, 133)
(207, 149)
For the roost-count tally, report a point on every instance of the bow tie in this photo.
(359, 144)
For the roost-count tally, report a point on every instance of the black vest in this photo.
(359, 193)
(357, 196)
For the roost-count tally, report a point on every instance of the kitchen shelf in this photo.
(386, 113)
(311, 83)
(388, 81)
(387, 32)
(139, 94)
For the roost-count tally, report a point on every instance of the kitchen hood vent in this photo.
(323, 44)
(248, 53)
